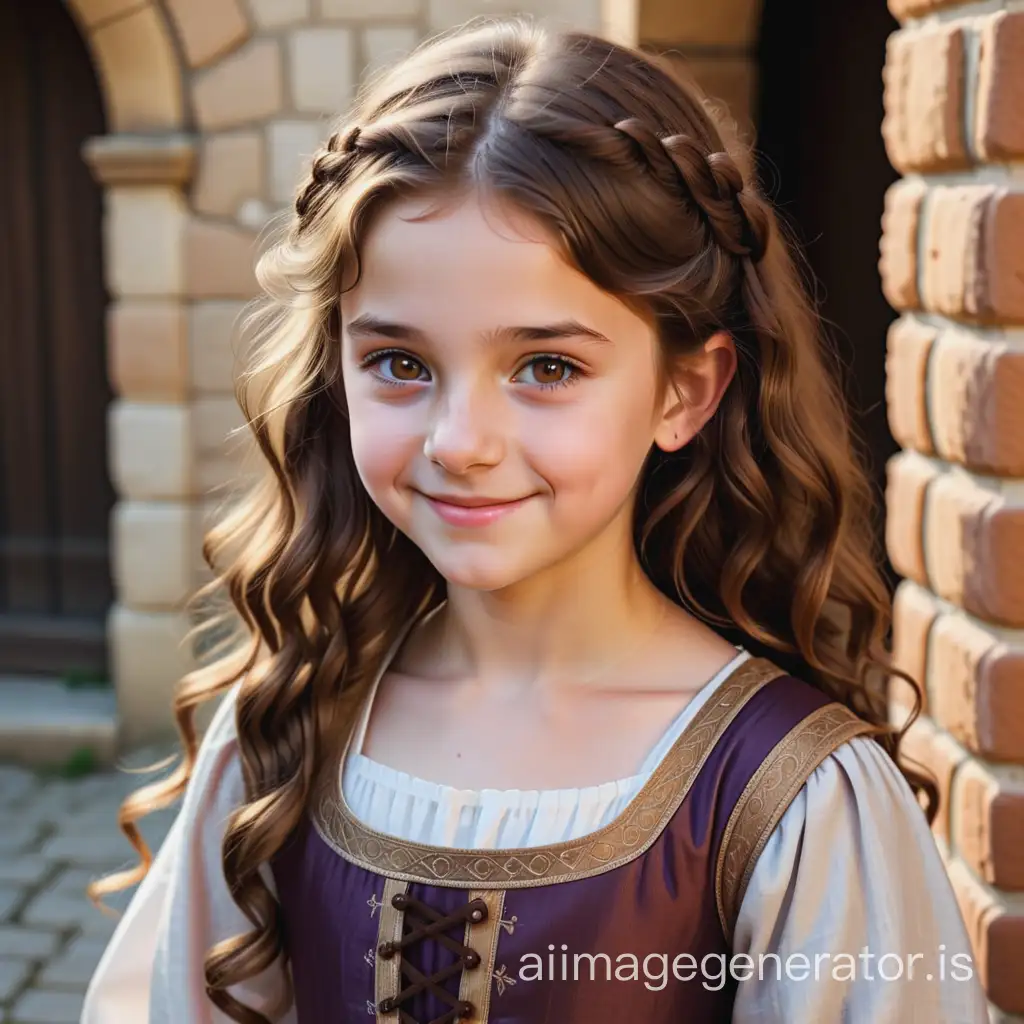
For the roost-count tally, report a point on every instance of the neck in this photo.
(563, 625)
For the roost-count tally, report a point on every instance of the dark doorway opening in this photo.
(55, 494)
(823, 162)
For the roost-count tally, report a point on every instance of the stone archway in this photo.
(144, 165)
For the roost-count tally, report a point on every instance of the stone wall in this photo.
(952, 263)
(214, 107)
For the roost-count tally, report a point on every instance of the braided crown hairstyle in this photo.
(762, 526)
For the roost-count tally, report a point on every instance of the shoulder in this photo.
(784, 732)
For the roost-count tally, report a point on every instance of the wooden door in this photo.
(55, 495)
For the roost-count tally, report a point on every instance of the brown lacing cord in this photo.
(433, 925)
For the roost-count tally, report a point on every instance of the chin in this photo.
(482, 571)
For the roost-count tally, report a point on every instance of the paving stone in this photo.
(18, 837)
(62, 910)
(38, 1006)
(10, 897)
(15, 784)
(74, 968)
(23, 870)
(13, 975)
(28, 943)
(106, 851)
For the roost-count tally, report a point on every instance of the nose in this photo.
(465, 432)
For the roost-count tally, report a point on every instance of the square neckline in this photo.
(353, 757)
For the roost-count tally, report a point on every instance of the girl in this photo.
(564, 670)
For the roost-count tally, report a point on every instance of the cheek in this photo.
(596, 453)
(383, 443)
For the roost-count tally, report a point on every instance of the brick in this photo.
(898, 263)
(150, 654)
(323, 74)
(208, 29)
(914, 612)
(97, 11)
(245, 88)
(291, 146)
(385, 44)
(141, 71)
(974, 548)
(153, 544)
(978, 401)
(951, 231)
(151, 449)
(215, 339)
(147, 350)
(928, 748)
(230, 172)
(908, 479)
(902, 9)
(1001, 259)
(360, 9)
(988, 823)
(219, 261)
(906, 382)
(977, 683)
(999, 130)
(446, 14)
(973, 260)
(217, 420)
(995, 924)
(923, 127)
(143, 234)
(279, 13)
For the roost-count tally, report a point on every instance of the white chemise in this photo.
(851, 868)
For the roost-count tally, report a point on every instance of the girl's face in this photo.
(501, 404)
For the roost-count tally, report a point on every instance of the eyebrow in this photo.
(367, 325)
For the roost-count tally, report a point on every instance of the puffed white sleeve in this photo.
(849, 917)
(152, 970)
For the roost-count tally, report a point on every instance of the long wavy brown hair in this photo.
(763, 527)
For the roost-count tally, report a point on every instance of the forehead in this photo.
(473, 260)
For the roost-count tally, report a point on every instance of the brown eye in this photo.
(549, 371)
(404, 367)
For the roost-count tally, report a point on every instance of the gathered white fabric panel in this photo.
(851, 867)
(399, 804)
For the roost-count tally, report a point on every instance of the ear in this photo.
(695, 386)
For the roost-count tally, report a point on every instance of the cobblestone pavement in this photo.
(56, 835)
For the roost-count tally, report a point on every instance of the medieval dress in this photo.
(765, 823)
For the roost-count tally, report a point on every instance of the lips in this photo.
(472, 511)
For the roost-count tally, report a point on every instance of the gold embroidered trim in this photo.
(769, 793)
(475, 984)
(620, 841)
(388, 973)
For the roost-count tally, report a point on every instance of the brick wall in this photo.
(952, 264)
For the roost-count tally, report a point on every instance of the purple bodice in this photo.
(602, 930)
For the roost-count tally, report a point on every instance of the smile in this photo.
(471, 512)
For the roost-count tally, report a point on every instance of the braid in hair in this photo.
(712, 181)
(331, 166)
